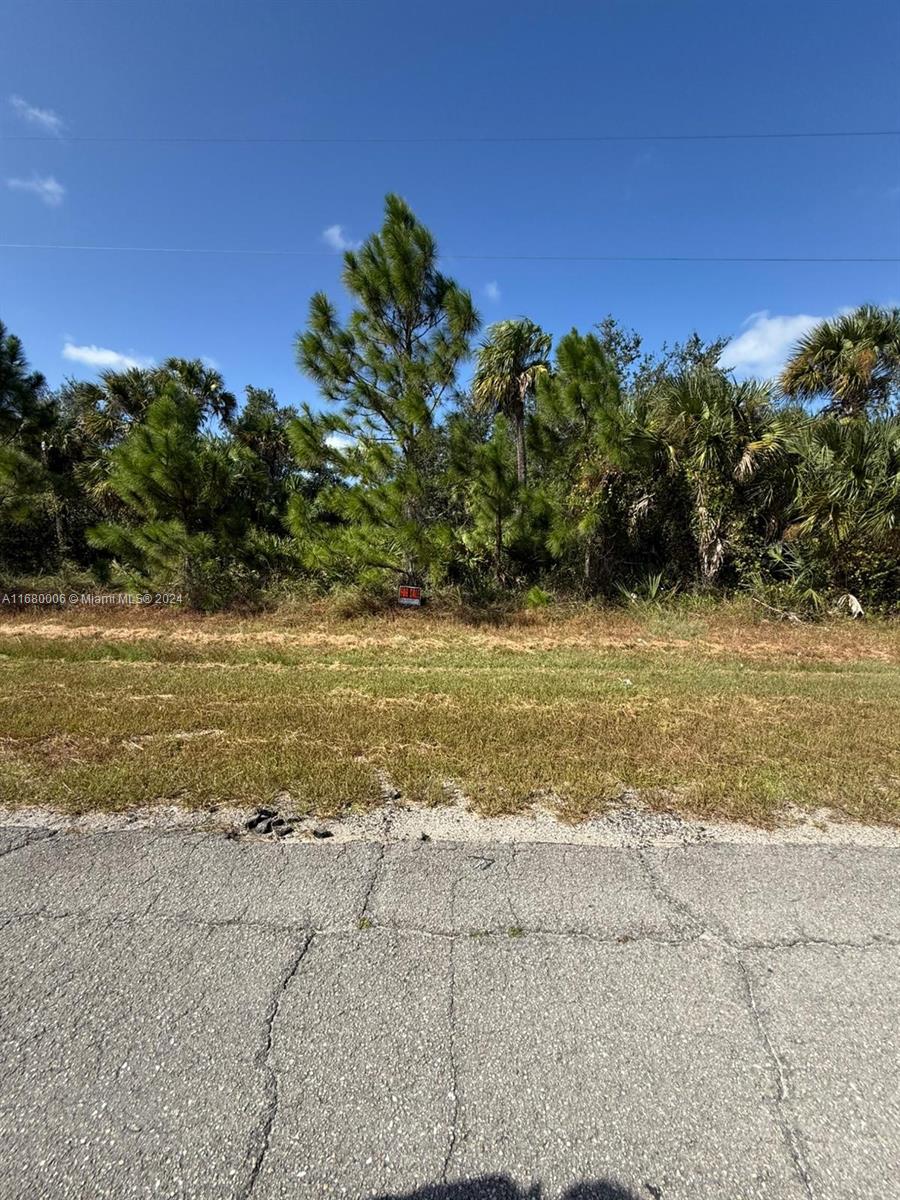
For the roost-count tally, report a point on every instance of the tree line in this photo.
(587, 469)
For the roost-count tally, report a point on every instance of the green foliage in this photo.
(717, 435)
(387, 370)
(22, 391)
(639, 371)
(189, 495)
(484, 473)
(853, 360)
(536, 597)
(603, 470)
(580, 437)
(26, 416)
(511, 360)
(845, 534)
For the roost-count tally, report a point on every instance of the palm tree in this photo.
(848, 480)
(513, 356)
(843, 520)
(853, 358)
(122, 398)
(717, 433)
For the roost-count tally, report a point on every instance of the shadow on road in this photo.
(501, 1187)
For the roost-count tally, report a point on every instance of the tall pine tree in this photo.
(387, 371)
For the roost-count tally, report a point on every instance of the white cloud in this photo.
(45, 187)
(334, 237)
(764, 346)
(339, 441)
(492, 290)
(99, 356)
(46, 118)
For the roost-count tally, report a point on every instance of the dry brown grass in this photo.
(737, 628)
(716, 711)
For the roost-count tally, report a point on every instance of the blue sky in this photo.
(406, 69)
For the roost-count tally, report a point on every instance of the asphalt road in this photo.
(191, 1016)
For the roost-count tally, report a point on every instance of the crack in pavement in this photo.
(717, 931)
(804, 943)
(657, 917)
(789, 1127)
(260, 1136)
(620, 938)
(507, 866)
(454, 1066)
(31, 838)
(158, 895)
(786, 1122)
(661, 892)
(376, 868)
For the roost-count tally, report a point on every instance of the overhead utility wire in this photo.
(610, 258)
(444, 140)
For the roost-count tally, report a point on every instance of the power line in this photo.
(114, 139)
(608, 258)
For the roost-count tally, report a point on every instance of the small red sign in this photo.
(410, 595)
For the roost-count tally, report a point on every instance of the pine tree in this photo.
(484, 471)
(577, 432)
(27, 416)
(185, 491)
(387, 371)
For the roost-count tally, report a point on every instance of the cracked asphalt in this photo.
(185, 1015)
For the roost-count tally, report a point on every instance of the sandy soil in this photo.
(628, 826)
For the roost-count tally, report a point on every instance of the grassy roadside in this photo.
(712, 712)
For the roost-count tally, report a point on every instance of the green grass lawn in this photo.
(709, 712)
